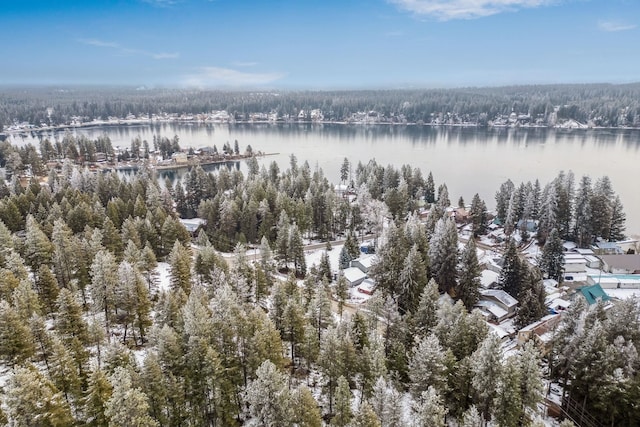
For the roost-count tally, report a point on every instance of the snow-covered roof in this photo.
(559, 302)
(501, 296)
(367, 261)
(569, 246)
(584, 251)
(367, 285)
(488, 277)
(192, 224)
(553, 283)
(353, 274)
(492, 308)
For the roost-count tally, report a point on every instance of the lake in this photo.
(467, 159)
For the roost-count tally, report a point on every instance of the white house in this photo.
(574, 263)
(354, 276)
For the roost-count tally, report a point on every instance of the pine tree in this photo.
(98, 394)
(427, 366)
(487, 370)
(552, 258)
(25, 301)
(32, 400)
(324, 269)
(413, 278)
(104, 282)
(468, 290)
(345, 259)
(508, 400)
(366, 417)
(296, 247)
(387, 404)
(425, 317)
(478, 213)
(342, 293)
(16, 342)
(306, 413)
(443, 254)
(65, 253)
(618, 219)
(512, 274)
(180, 265)
(430, 411)
(37, 247)
(430, 189)
(63, 371)
(342, 409)
(47, 288)
(128, 405)
(583, 217)
(532, 301)
(269, 398)
(471, 418)
(531, 378)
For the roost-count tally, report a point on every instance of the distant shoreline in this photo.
(147, 122)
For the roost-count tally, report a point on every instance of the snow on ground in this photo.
(313, 257)
(622, 293)
(164, 276)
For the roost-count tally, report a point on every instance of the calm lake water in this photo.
(468, 160)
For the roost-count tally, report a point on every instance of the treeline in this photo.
(601, 104)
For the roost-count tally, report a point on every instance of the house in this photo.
(180, 158)
(574, 263)
(541, 332)
(367, 287)
(497, 304)
(364, 263)
(593, 293)
(621, 264)
(592, 261)
(461, 215)
(354, 276)
(530, 225)
(193, 224)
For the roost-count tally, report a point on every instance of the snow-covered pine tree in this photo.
(128, 405)
(468, 289)
(443, 254)
(269, 398)
(429, 410)
(486, 365)
(552, 257)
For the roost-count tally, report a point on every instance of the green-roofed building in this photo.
(593, 293)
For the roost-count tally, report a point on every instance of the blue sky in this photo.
(325, 44)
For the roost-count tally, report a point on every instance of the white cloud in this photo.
(244, 64)
(165, 55)
(217, 76)
(162, 3)
(465, 9)
(613, 26)
(99, 43)
(128, 51)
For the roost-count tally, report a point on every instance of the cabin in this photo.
(354, 276)
(593, 293)
(541, 332)
(364, 263)
(574, 263)
(496, 304)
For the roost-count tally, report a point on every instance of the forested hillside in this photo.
(597, 104)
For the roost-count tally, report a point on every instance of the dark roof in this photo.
(593, 293)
